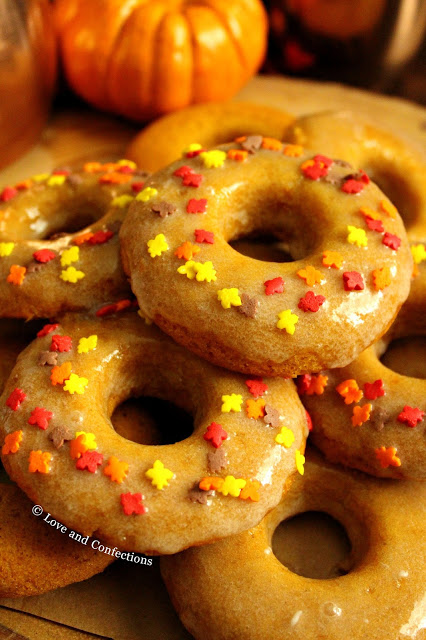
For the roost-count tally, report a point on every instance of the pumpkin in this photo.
(142, 58)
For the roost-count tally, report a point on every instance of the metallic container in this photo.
(28, 66)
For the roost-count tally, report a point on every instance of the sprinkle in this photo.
(115, 307)
(387, 457)
(159, 475)
(122, 201)
(40, 177)
(293, 150)
(332, 259)
(87, 344)
(381, 278)
(146, 194)
(89, 461)
(127, 164)
(40, 417)
(410, 416)
(213, 159)
(204, 236)
(201, 271)
(418, 252)
(6, 249)
(75, 384)
(232, 486)
(309, 421)
(132, 504)
(15, 399)
(100, 237)
(137, 186)
(357, 236)
(374, 225)
(210, 484)
(272, 144)
(72, 275)
(374, 390)
(303, 382)
(116, 469)
(44, 255)
(317, 167)
(16, 274)
(350, 391)
(163, 209)
(249, 306)
(215, 434)
(56, 181)
(157, 245)
(232, 402)
(216, 460)
(361, 415)
(352, 186)
(12, 442)
(287, 320)
(183, 171)
(311, 275)
(59, 435)
(276, 285)
(59, 374)
(114, 178)
(229, 297)
(311, 302)
(39, 461)
(194, 146)
(379, 418)
(192, 180)
(272, 416)
(250, 143)
(317, 384)
(300, 462)
(238, 155)
(8, 193)
(196, 206)
(388, 208)
(352, 281)
(201, 497)
(69, 256)
(285, 437)
(256, 387)
(391, 241)
(187, 251)
(255, 408)
(62, 344)
(82, 442)
(250, 491)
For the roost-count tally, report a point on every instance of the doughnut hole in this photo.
(152, 421)
(312, 544)
(262, 247)
(406, 356)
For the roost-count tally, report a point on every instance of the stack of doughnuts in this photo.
(136, 287)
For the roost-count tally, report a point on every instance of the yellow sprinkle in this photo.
(203, 272)
(287, 320)
(56, 181)
(232, 486)
(194, 146)
(72, 275)
(418, 251)
(70, 255)
(213, 159)
(127, 163)
(159, 475)
(229, 297)
(87, 344)
(146, 194)
(75, 384)
(157, 245)
(6, 248)
(285, 437)
(89, 439)
(232, 402)
(40, 177)
(357, 236)
(122, 201)
(300, 462)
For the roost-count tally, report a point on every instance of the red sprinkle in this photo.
(61, 343)
(204, 236)
(115, 307)
(374, 389)
(374, 225)
(194, 154)
(303, 383)
(257, 387)
(309, 421)
(192, 180)
(276, 285)
(196, 206)
(215, 434)
(183, 171)
(48, 328)
(8, 193)
(15, 399)
(353, 186)
(40, 417)
(352, 281)
(44, 255)
(411, 416)
(90, 461)
(137, 186)
(315, 171)
(391, 241)
(100, 237)
(132, 503)
(311, 302)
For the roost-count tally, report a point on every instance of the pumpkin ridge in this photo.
(225, 23)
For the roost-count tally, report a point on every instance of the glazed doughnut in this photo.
(248, 440)
(368, 416)
(326, 306)
(237, 589)
(44, 271)
(210, 124)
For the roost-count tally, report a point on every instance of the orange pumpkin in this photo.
(142, 58)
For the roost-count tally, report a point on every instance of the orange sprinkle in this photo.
(387, 457)
(187, 251)
(361, 415)
(416, 270)
(255, 408)
(310, 275)
(92, 167)
(369, 213)
(272, 143)
(388, 208)
(237, 154)
(12, 442)
(350, 391)
(84, 237)
(240, 139)
(78, 447)
(16, 274)
(208, 484)
(115, 178)
(307, 164)
(293, 150)
(24, 184)
(60, 373)
(116, 469)
(317, 385)
(381, 278)
(332, 259)
(250, 491)
(39, 462)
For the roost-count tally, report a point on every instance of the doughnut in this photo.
(60, 448)
(45, 270)
(163, 141)
(369, 416)
(341, 292)
(238, 589)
